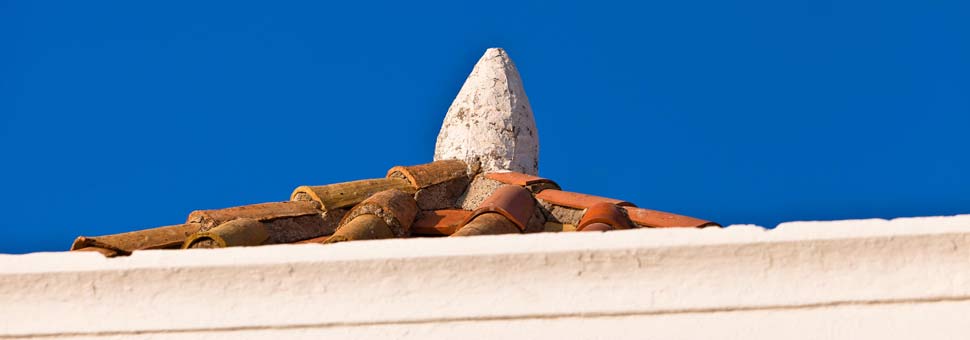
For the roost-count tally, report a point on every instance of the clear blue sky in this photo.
(122, 115)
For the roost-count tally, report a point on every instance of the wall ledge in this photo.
(438, 287)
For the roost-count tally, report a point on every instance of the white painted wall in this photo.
(906, 278)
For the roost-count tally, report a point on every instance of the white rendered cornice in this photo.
(841, 279)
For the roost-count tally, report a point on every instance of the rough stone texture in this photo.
(292, 229)
(560, 214)
(872, 279)
(479, 189)
(490, 122)
(442, 195)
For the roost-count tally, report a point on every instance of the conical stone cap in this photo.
(490, 122)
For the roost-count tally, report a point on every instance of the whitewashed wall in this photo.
(900, 279)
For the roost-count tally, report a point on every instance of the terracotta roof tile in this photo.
(396, 208)
(438, 184)
(235, 233)
(425, 175)
(507, 210)
(513, 202)
(660, 219)
(348, 194)
(577, 200)
(285, 221)
(439, 222)
(167, 237)
(597, 226)
(362, 227)
(533, 183)
(259, 212)
(488, 224)
(604, 216)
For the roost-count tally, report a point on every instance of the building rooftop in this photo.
(483, 181)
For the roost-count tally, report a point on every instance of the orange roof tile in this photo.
(238, 232)
(439, 222)
(607, 214)
(259, 212)
(285, 221)
(488, 224)
(153, 238)
(660, 219)
(395, 207)
(511, 201)
(425, 175)
(577, 200)
(516, 178)
(347, 194)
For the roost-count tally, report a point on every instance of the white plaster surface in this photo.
(490, 121)
(904, 278)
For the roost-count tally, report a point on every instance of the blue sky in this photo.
(122, 115)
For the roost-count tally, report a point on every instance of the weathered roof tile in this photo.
(285, 221)
(605, 214)
(235, 233)
(425, 175)
(167, 237)
(513, 202)
(576, 200)
(660, 219)
(347, 194)
(439, 222)
(396, 208)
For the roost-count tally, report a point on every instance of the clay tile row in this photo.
(167, 237)
(412, 200)
(660, 219)
(284, 222)
(533, 183)
(348, 194)
(577, 200)
(425, 175)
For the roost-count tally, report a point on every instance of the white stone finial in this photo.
(490, 122)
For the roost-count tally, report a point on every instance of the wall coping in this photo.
(363, 284)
